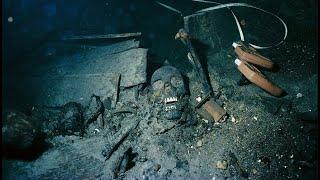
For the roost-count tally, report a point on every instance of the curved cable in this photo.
(220, 6)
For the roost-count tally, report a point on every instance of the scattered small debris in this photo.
(264, 160)
(199, 143)
(10, 19)
(217, 178)
(243, 22)
(233, 119)
(299, 95)
(205, 120)
(156, 167)
(142, 159)
(96, 130)
(222, 165)
(254, 171)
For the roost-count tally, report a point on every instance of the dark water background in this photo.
(38, 22)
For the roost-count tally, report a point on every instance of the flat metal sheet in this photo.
(58, 90)
(131, 64)
(77, 77)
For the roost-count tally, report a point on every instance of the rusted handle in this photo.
(252, 56)
(256, 77)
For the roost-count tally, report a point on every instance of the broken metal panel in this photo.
(213, 33)
(130, 64)
(58, 90)
(116, 47)
(129, 94)
(80, 53)
(77, 77)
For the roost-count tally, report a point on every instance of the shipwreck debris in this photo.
(94, 109)
(120, 136)
(204, 99)
(199, 143)
(169, 7)
(95, 71)
(19, 134)
(120, 109)
(123, 164)
(222, 165)
(247, 56)
(105, 36)
(116, 83)
(299, 95)
(256, 77)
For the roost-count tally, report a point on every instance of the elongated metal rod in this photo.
(105, 36)
(184, 37)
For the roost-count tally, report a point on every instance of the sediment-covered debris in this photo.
(24, 131)
(71, 78)
(115, 142)
(267, 136)
(94, 109)
(19, 133)
(123, 164)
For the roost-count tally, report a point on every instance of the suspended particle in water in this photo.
(243, 22)
(10, 19)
